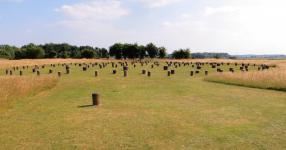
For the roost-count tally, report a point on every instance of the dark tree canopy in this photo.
(152, 50)
(182, 54)
(162, 52)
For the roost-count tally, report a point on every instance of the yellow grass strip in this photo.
(268, 79)
(15, 88)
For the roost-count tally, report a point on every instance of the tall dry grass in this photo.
(15, 88)
(268, 79)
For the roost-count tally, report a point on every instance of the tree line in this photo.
(211, 55)
(64, 50)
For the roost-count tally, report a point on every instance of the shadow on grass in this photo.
(84, 106)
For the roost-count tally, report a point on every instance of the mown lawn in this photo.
(141, 112)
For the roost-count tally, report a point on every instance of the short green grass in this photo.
(141, 112)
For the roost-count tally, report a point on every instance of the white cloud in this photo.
(184, 15)
(109, 9)
(89, 26)
(156, 3)
(224, 9)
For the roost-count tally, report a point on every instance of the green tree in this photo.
(87, 53)
(152, 50)
(104, 53)
(217, 56)
(182, 54)
(116, 50)
(162, 52)
(8, 49)
(52, 54)
(64, 55)
(133, 51)
(97, 53)
(34, 52)
(4, 54)
(142, 51)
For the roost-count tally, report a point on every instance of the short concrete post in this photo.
(59, 74)
(169, 73)
(96, 100)
(96, 73)
(166, 67)
(206, 72)
(125, 73)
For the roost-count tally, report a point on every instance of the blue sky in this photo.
(232, 26)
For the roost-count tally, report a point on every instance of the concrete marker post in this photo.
(96, 100)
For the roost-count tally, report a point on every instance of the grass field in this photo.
(141, 112)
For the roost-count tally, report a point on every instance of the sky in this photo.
(231, 26)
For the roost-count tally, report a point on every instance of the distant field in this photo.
(141, 112)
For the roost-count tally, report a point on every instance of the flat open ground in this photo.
(141, 112)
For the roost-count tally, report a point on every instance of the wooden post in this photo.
(39, 73)
(206, 73)
(149, 73)
(172, 71)
(96, 100)
(21, 72)
(192, 73)
(11, 72)
(96, 73)
(114, 71)
(169, 73)
(143, 71)
(60, 74)
(84, 68)
(68, 71)
(51, 71)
